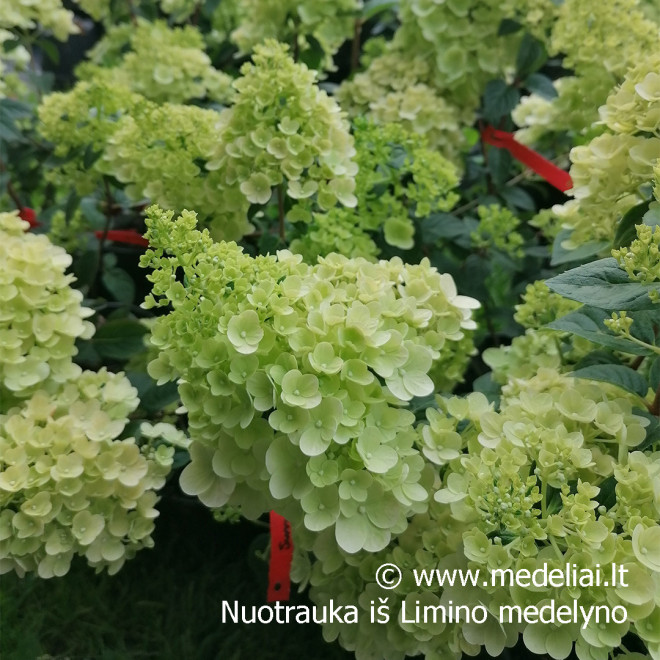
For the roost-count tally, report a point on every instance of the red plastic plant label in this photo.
(281, 554)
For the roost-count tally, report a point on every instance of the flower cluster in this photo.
(574, 109)
(79, 123)
(554, 478)
(634, 106)
(32, 14)
(71, 234)
(180, 10)
(41, 315)
(295, 377)
(612, 37)
(329, 22)
(14, 59)
(600, 43)
(609, 173)
(160, 151)
(99, 10)
(159, 62)
(399, 178)
(642, 259)
(335, 231)
(282, 129)
(497, 228)
(548, 223)
(541, 306)
(462, 40)
(397, 90)
(69, 485)
(432, 74)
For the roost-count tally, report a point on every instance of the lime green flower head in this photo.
(79, 123)
(328, 23)
(42, 315)
(49, 15)
(330, 353)
(282, 130)
(161, 63)
(641, 260)
(69, 485)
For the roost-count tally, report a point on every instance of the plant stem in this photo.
(280, 212)
(639, 342)
(10, 188)
(296, 46)
(553, 543)
(194, 19)
(355, 47)
(544, 497)
(489, 177)
(654, 408)
(108, 220)
(131, 9)
(637, 362)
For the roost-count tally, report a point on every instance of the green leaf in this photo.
(84, 268)
(209, 7)
(625, 377)
(587, 322)
(473, 275)
(89, 207)
(153, 398)
(541, 85)
(90, 156)
(500, 162)
(14, 110)
(625, 232)
(181, 458)
(531, 56)
(644, 326)
(87, 356)
(652, 216)
(540, 251)
(652, 430)
(518, 198)
(160, 396)
(399, 155)
(603, 284)
(607, 495)
(119, 284)
(654, 374)
(597, 357)
(313, 55)
(119, 340)
(561, 255)
(442, 225)
(50, 49)
(499, 100)
(508, 26)
(373, 7)
(7, 131)
(419, 404)
(487, 386)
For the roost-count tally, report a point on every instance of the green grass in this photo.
(163, 604)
